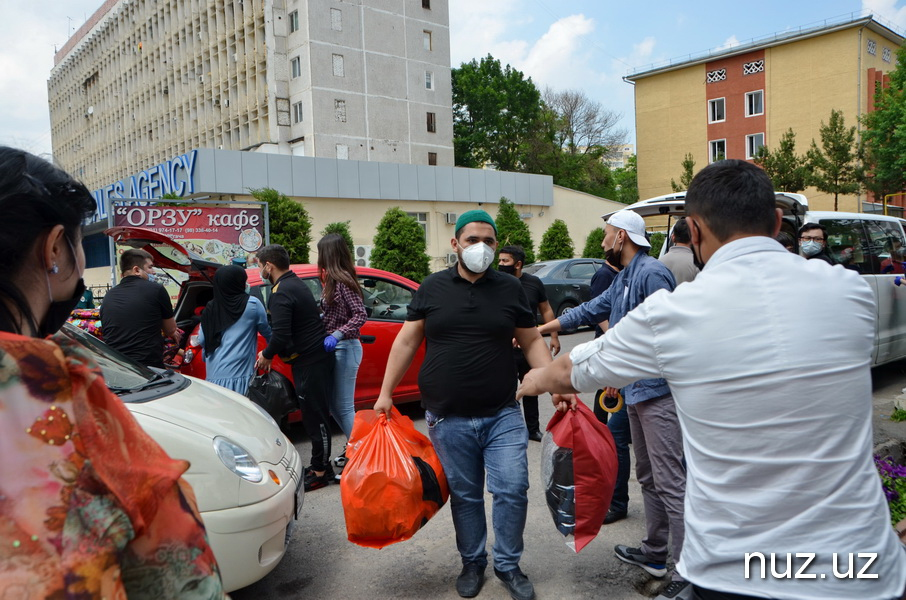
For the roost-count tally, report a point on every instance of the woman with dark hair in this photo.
(344, 315)
(91, 505)
(230, 325)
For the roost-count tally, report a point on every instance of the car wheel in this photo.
(562, 310)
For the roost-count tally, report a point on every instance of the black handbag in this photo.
(274, 393)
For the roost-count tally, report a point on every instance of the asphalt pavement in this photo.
(321, 563)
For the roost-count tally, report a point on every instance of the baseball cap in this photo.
(633, 224)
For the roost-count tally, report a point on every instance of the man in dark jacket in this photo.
(813, 242)
(298, 339)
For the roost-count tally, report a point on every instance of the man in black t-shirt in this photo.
(298, 339)
(469, 315)
(134, 313)
(510, 260)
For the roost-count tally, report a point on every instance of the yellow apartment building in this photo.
(728, 103)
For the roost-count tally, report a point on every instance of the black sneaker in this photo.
(676, 590)
(517, 584)
(634, 556)
(313, 481)
(535, 435)
(614, 515)
(470, 580)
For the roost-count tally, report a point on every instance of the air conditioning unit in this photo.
(362, 256)
(216, 101)
(450, 218)
(452, 258)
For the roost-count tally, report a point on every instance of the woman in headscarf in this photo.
(230, 325)
(90, 505)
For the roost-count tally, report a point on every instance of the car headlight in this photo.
(237, 460)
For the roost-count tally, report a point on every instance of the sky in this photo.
(587, 45)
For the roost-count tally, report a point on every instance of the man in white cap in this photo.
(656, 435)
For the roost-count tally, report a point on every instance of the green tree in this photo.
(593, 242)
(833, 168)
(341, 228)
(685, 179)
(556, 242)
(884, 138)
(512, 230)
(289, 223)
(625, 183)
(495, 110)
(656, 240)
(399, 246)
(787, 170)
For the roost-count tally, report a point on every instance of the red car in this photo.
(386, 297)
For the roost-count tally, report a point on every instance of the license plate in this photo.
(300, 491)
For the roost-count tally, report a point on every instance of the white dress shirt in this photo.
(767, 356)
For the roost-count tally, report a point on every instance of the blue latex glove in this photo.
(330, 343)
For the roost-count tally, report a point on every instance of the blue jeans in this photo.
(618, 423)
(469, 447)
(342, 403)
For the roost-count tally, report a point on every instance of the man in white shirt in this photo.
(782, 497)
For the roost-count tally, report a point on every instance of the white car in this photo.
(246, 473)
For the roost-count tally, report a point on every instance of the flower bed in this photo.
(893, 480)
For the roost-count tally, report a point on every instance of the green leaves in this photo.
(399, 246)
(593, 243)
(512, 230)
(556, 243)
(787, 170)
(688, 173)
(833, 166)
(290, 225)
(341, 228)
(884, 138)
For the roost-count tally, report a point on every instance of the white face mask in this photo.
(810, 248)
(477, 257)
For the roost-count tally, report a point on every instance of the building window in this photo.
(342, 152)
(432, 122)
(338, 68)
(294, 21)
(429, 80)
(755, 103)
(432, 159)
(427, 40)
(753, 67)
(872, 47)
(717, 110)
(715, 76)
(296, 67)
(885, 54)
(336, 19)
(718, 150)
(753, 143)
(426, 4)
(339, 109)
(297, 112)
(422, 220)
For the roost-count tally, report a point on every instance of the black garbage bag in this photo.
(274, 393)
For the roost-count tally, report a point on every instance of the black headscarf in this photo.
(227, 306)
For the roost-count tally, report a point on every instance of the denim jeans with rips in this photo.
(469, 448)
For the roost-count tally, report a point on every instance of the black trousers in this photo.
(314, 388)
(529, 403)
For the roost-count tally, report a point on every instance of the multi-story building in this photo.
(618, 158)
(728, 103)
(145, 80)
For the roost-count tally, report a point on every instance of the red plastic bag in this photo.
(392, 483)
(578, 470)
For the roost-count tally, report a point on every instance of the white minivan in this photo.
(872, 244)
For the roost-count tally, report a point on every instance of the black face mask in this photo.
(612, 256)
(59, 311)
(511, 269)
(696, 260)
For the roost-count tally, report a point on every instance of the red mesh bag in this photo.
(578, 471)
(392, 483)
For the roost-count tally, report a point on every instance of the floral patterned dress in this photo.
(90, 506)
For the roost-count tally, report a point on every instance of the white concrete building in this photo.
(145, 80)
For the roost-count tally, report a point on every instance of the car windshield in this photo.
(121, 373)
(541, 269)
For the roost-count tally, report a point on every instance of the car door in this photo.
(577, 275)
(386, 303)
(886, 245)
